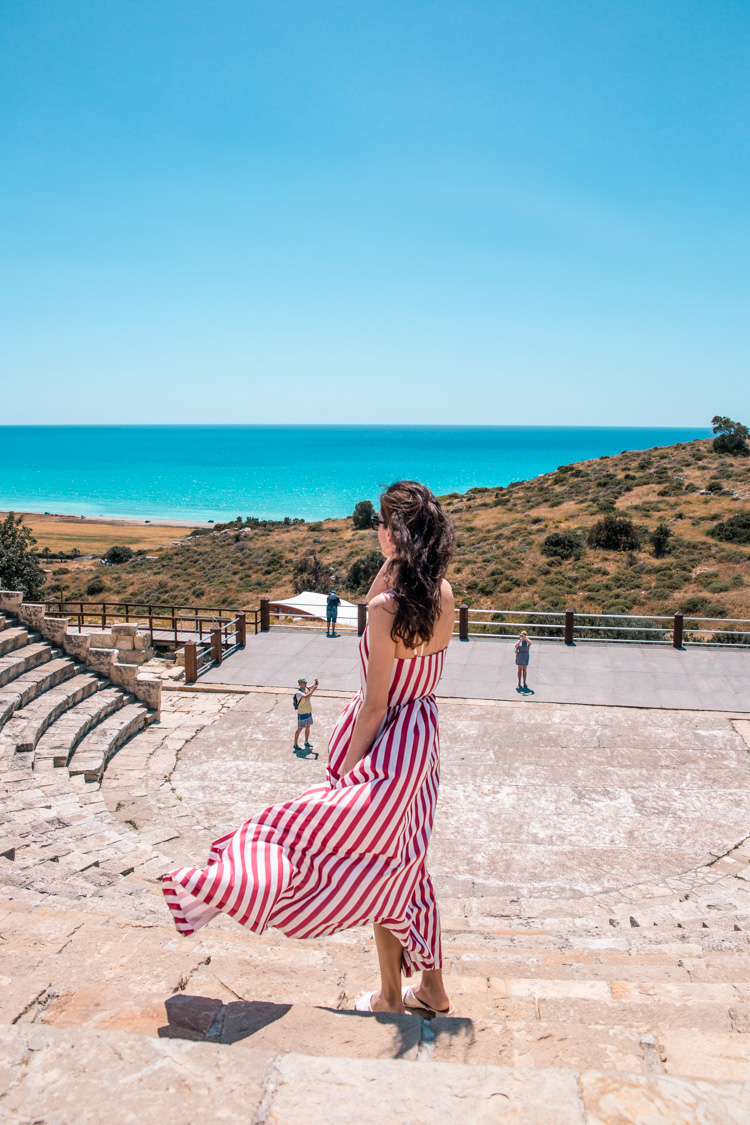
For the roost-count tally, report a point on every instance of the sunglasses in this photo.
(376, 522)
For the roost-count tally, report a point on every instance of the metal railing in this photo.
(210, 651)
(168, 627)
(568, 626)
(677, 630)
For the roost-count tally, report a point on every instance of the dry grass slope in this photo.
(498, 562)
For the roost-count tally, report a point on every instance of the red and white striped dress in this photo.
(342, 854)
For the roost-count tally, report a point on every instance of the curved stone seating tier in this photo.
(569, 1008)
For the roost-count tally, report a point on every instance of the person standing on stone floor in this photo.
(302, 697)
(333, 601)
(353, 851)
(523, 649)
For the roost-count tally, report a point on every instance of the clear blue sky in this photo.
(500, 212)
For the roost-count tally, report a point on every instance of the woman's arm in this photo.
(379, 668)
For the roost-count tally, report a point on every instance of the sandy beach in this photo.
(93, 534)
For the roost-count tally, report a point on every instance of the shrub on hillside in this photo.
(19, 568)
(311, 574)
(362, 515)
(731, 437)
(563, 545)
(660, 538)
(730, 637)
(734, 530)
(614, 533)
(362, 572)
(95, 586)
(118, 554)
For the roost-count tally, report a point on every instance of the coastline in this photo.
(115, 521)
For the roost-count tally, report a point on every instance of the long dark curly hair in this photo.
(423, 537)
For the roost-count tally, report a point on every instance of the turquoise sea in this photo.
(219, 472)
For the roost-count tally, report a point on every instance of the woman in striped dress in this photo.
(353, 851)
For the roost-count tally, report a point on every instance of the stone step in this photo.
(29, 723)
(94, 751)
(23, 660)
(5, 622)
(21, 691)
(60, 740)
(12, 638)
(61, 1075)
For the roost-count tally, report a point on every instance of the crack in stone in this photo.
(270, 1086)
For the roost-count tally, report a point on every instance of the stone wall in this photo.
(116, 652)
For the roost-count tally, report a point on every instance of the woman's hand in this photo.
(379, 668)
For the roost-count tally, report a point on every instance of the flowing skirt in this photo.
(344, 854)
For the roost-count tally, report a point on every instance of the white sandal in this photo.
(363, 1003)
(411, 1000)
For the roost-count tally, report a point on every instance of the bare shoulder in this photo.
(381, 609)
(382, 603)
(446, 595)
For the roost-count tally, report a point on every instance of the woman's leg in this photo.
(519, 670)
(431, 990)
(525, 670)
(389, 998)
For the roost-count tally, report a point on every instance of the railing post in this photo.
(256, 614)
(361, 618)
(191, 662)
(216, 645)
(569, 619)
(104, 616)
(242, 628)
(463, 623)
(265, 615)
(677, 630)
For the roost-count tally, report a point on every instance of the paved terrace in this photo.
(623, 675)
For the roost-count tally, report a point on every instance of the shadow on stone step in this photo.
(298, 1027)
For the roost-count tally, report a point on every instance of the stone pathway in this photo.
(621, 675)
(544, 801)
(604, 993)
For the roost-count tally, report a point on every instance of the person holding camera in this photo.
(303, 707)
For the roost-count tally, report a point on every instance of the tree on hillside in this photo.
(362, 515)
(660, 537)
(19, 568)
(731, 437)
(310, 574)
(362, 572)
(614, 533)
(118, 554)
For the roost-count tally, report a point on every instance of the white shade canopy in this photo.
(308, 604)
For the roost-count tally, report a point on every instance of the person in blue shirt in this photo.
(332, 608)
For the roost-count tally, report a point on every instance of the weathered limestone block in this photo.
(133, 657)
(147, 688)
(124, 630)
(124, 642)
(10, 600)
(180, 657)
(102, 640)
(100, 659)
(122, 674)
(30, 613)
(54, 628)
(141, 641)
(76, 645)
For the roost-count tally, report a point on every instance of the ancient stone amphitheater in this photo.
(623, 997)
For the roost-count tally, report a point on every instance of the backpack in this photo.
(295, 701)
